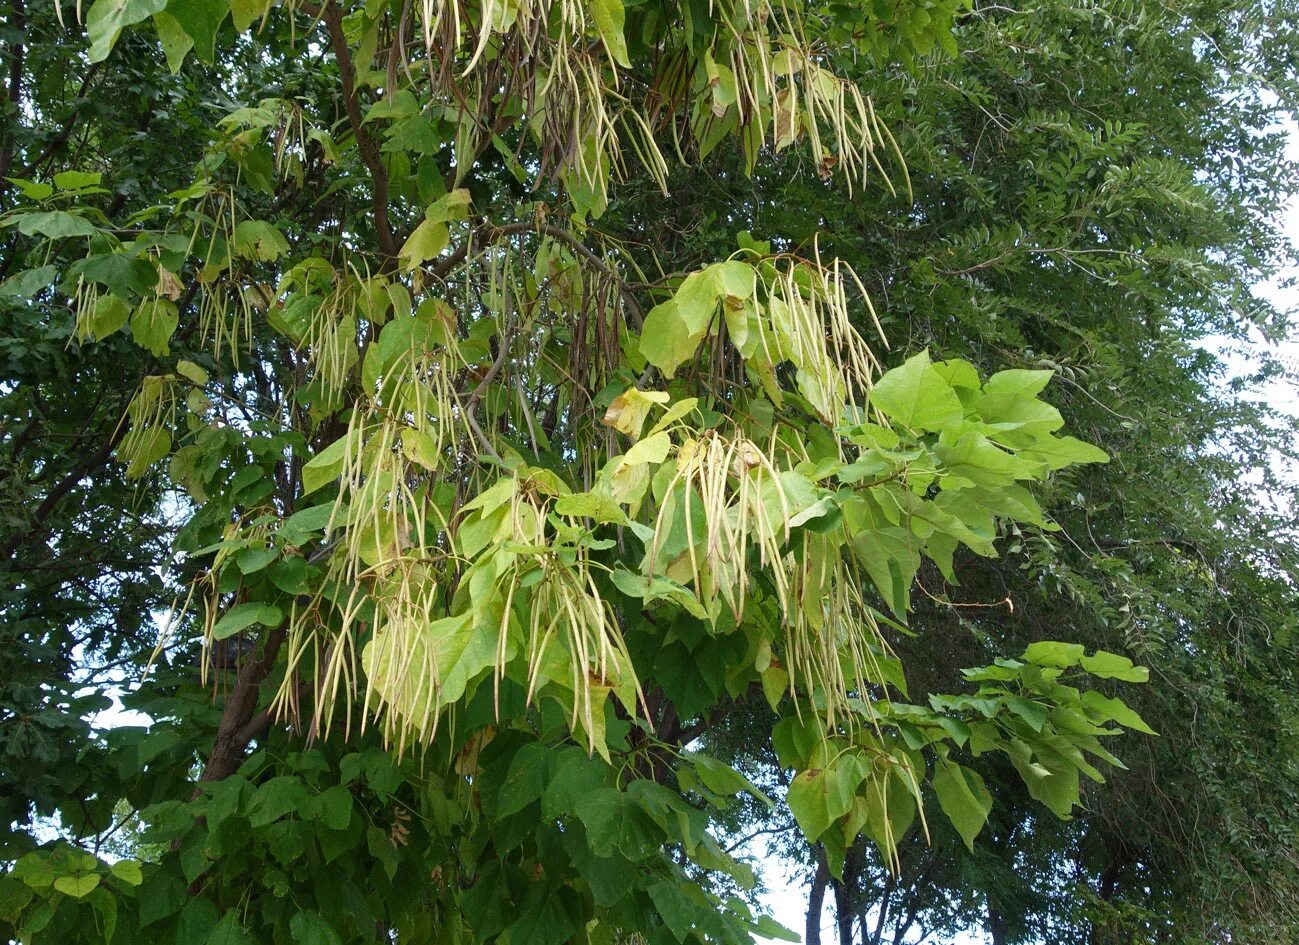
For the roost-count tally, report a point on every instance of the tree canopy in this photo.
(470, 469)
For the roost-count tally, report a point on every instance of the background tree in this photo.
(1098, 191)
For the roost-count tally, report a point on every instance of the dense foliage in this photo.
(509, 453)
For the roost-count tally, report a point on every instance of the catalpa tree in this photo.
(490, 513)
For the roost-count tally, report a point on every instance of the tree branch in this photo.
(235, 730)
(333, 19)
(758, 833)
(448, 263)
(19, 24)
(64, 133)
(61, 489)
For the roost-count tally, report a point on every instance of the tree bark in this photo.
(235, 731)
(17, 53)
(816, 900)
(370, 154)
(845, 895)
(996, 925)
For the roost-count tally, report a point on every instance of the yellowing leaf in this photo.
(666, 341)
(77, 887)
(425, 242)
(674, 413)
(629, 409)
(652, 449)
(735, 279)
(143, 447)
(258, 240)
(176, 43)
(246, 12)
(128, 871)
(191, 371)
(420, 448)
(696, 299)
(453, 205)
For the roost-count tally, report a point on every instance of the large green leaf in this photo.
(609, 17)
(310, 928)
(53, 224)
(124, 275)
(1061, 451)
(78, 887)
(965, 799)
(1115, 710)
(574, 776)
(1054, 653)
(325, 466)
(615, 825)
(200, 19)
(230, 931)
(1113, 666)
(666, 340)
(917, 396)
(526, 779)
(547, 916)
(128, 871)
(152, 325)
(242, 616)
(28, 283)
(259, 240)
(107, 18)
(818, 797)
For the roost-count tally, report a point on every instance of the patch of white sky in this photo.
(1282, 290)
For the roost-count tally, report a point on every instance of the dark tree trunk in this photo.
(240, 721)
(845, 895)
(816, 900)
(1107, 887)
(996, 925)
